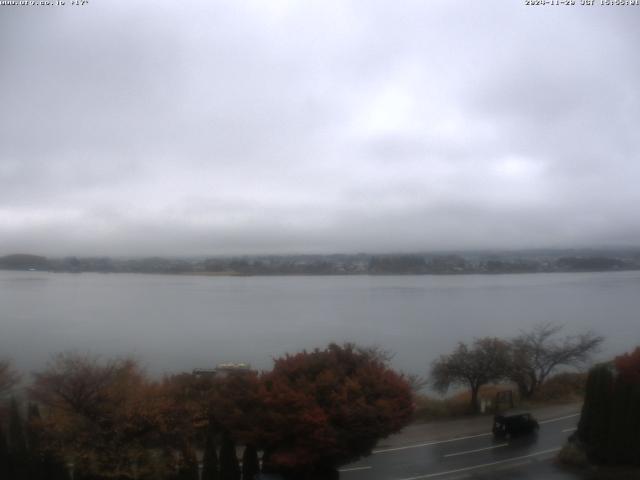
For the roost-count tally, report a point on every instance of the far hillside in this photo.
(442, 263)
(24, 261)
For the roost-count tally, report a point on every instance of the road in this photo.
(476, 456)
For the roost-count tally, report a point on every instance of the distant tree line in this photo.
(360, 264)
(24, 262)
(526, 360)
(90, 419)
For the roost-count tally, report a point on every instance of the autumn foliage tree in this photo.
(99, 415)
(325, 408)
(182, 404)
(313, 412)
(628, 365)
(236, 405)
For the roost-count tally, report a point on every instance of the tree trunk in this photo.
(474, 398)
(527, 389)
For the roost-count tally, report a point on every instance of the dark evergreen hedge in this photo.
(609, 426)
(250, 463)
(229, 467)
(210, 458)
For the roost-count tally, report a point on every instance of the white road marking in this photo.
(510, 466)
(420, 445)
(354, 469)
(476, 450)
(474, 467)
(559, 418)
(569, 429)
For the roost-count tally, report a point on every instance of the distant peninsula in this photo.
(448, 263)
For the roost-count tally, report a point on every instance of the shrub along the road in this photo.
(609, 428)
(312, 413)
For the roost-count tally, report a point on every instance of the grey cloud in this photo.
(251, 127)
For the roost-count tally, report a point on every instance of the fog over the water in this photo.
(203, 127)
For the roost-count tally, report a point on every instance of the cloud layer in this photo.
(274, 127)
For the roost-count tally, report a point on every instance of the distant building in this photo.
(222, 370)
(204, 372)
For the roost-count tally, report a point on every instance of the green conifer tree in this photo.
(593, 428)
(53, 468)
(210, 458)
(634, 426)
(189, 466)
(5, 463)
(623, 435)
(250, 463)
(17, 443)
(229, 468)
(36, 455)
(17, 439)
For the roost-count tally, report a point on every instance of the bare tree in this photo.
(486, 361)
(416, 382)
(377, 352)
(9, 378)
(537, 353)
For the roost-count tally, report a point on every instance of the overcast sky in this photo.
(201, 127)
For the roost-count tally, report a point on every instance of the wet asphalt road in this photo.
(476, 457)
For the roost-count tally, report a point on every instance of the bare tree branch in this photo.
(417, 382)
(535, 354)
(377, 352)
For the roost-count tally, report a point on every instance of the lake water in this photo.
(174, 323)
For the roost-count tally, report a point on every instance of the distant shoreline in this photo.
(302, 274)
(469, 263)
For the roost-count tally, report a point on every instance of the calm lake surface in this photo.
(174, 323)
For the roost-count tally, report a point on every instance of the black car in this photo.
(509, 424)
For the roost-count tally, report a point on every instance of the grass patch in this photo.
(573, 456)
(562, 388)
(429, 408)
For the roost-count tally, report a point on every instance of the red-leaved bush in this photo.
(628, 366)
(329, 407)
